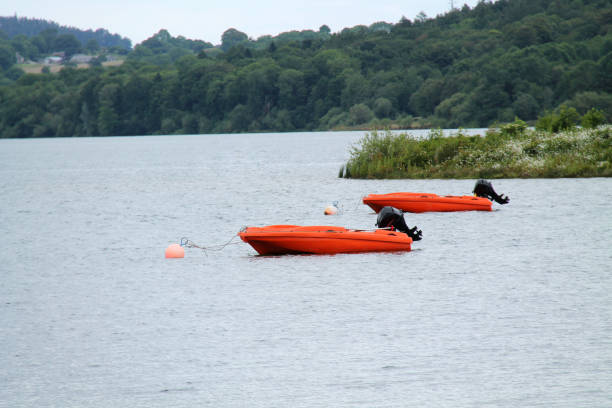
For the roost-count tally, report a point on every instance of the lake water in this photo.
(509, 308)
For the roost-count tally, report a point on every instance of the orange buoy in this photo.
(331, 210)
(175, 251)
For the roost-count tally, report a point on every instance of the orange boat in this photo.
(423, 202)
(322, 239)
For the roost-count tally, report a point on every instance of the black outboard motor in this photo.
(392, 217)
(483, 188)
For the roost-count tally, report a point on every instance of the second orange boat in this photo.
(424, 202)
(483, 198)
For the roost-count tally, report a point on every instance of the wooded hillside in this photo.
(468, 68)
(31, 27)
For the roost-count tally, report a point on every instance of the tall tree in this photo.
(232, 37)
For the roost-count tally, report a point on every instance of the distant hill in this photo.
(31, 27)
(470, 67)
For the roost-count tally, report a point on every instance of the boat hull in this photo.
(322, 239)
(424, 202)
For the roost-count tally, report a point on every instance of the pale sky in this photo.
(207, 20)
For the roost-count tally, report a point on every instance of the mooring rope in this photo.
(342, 210)
(187, 243)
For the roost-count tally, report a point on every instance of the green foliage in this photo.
(468, 67)
(163, 49)
(584, 101)
(38, 28)
(593, 118)
(7, 57)
(516, 128)
(525, 106)
(232, 37)
(67, 43)
(499, 154)
(360, 114)
(566, 118)
(92, 45)
(108, 116)
(383, 107)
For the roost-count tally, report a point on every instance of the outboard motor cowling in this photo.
(391, 217)
(483, 188)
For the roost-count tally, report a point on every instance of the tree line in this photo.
(470, 67)
(37, 32)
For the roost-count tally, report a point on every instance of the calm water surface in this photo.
(511, 308)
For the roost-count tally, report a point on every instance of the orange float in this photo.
(423, 202)
(331, 210)
(322, 239)
(175, 251)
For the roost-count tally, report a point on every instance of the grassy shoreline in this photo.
(509, 152)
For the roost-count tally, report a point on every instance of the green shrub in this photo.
(545, 123)
(592, 119)
(566, 119)
(513, 129)
(360, 113)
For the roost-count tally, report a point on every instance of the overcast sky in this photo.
(207, 20)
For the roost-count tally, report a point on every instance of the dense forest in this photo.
(32, 27)
(470, 67)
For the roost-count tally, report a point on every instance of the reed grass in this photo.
(512, 151)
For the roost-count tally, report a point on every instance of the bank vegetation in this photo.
(510, 151)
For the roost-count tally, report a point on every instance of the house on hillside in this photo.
(55, 58)
(52, 60)
(81, 58)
